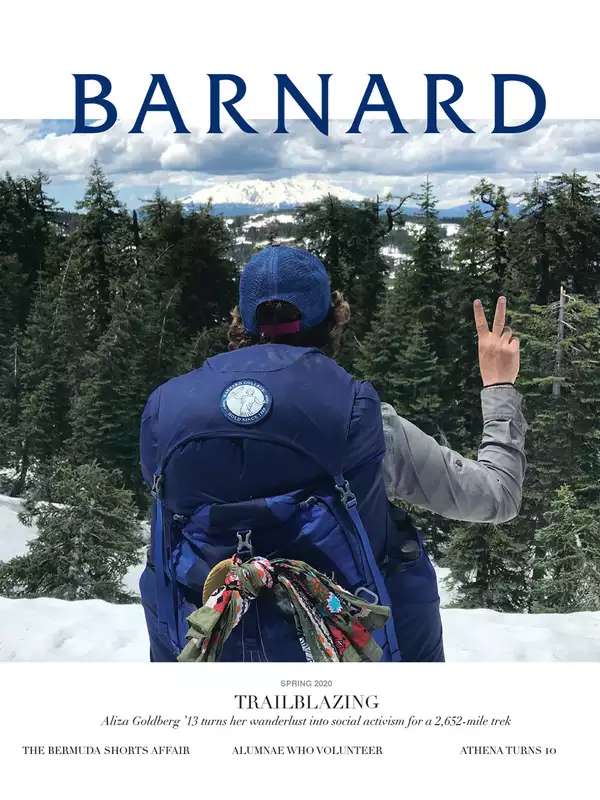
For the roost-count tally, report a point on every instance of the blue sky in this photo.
(375, 161)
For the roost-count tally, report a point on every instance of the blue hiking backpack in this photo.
(260, 409)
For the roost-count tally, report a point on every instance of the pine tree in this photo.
(426, 287)
(557, 239)
(494, 201)
(29, 239)
(397, 359)
(321, 228)
(137, 351)
(102, 247)
(88, 538)
(208, 276)
(10, 353)
(564, 431)
(29, 245)
(576, 232)
(348, 239)
(471, 278)
(532, 269)
(205, 344)
(507, 567)
(569, 556)
(563, 441)
(55, 340)
(490, 566)
(189, 250)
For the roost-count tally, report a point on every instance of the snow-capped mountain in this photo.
(261, 194)
(258, 196)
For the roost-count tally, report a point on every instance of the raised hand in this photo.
(498, 348)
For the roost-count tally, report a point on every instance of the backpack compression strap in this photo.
(167, 600)
(349, 502)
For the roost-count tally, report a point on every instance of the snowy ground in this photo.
(92, 630)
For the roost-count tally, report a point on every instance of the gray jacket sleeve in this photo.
(422, 472)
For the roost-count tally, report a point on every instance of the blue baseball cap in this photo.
(289, 274)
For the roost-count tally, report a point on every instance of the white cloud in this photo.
(374, 161)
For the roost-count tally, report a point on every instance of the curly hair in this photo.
(326, 336)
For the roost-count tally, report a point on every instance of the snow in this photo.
(92, 630)
(449, 245)
(80, 630)
(451, 228)
(483, 635)
(132, 577)
(395, 253)
(13, 534)
(414, 228)
(261, 222)
(446, 594)
(46, 629)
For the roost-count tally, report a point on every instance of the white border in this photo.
(44, 43)
(553, 706)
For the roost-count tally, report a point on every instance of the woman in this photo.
(279, 383)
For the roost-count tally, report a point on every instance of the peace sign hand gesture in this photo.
(498, 349)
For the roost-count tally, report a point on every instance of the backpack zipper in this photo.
(158, 477)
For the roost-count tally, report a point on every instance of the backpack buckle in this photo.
(367, 594)
(157, 480)
(244, 546)
(347, 496)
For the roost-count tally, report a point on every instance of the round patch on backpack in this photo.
(246, 402)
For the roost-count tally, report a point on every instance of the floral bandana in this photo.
(332, 624)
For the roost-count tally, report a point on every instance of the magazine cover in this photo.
(299, 400)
